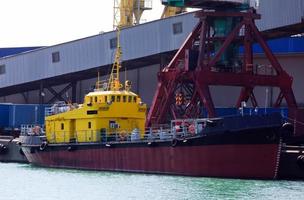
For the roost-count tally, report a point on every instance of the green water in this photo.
(26, 182)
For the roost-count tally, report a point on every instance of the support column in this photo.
(25, 97)
(137, 80)
(74, 85)
(41, 93)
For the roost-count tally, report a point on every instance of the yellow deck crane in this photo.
(129, 12)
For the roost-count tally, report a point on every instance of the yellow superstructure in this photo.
(103, 113)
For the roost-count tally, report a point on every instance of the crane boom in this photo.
(128, 12)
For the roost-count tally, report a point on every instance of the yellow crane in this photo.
(171, 11)
(129, 12)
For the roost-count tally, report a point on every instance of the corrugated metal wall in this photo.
(278, 13)
(140, 41)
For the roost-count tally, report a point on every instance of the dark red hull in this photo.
(234, 161)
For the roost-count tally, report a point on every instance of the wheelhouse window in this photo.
(106, 99)
(118, 98)
(89, 125)
(113, 98)
(95, 99)
(62, 126)
(124, 98)
(134, 99)
(129, 99)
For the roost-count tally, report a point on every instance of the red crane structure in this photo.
(210, 57)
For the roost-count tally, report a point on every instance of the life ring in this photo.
(191, 129)
(43, 146)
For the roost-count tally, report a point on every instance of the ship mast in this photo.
(114, 83)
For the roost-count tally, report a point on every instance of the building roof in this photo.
(15, 50)
(77, 59)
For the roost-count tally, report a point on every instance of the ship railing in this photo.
(59, 107)
(32, 130)
(189, 127)
(179, 129)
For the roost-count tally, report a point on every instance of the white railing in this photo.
(59, 107)
(32, 129)
(178, 129)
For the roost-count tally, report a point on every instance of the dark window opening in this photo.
(113, 43)
(177, 28)
(2, 69)
(55, 57)
(92, 112)
(89, 125)
(118, 99)
(124, 98)
(113, 98)
(62, 126)
(134, 99)
(95, 99)
(106, 99)
(129, 99)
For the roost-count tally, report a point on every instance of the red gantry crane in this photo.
(210, 56)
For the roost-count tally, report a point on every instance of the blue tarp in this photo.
(282, 45)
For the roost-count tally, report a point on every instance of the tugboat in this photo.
(111, 136)
(107, 132)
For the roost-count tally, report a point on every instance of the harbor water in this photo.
(27, 182)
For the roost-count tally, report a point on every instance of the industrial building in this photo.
(68, 71)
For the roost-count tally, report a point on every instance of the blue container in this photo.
(4, 115)
(12, 116)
